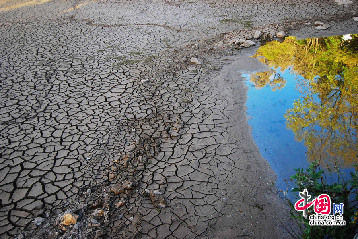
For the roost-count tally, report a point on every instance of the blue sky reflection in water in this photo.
(277, 144)
(305, 107)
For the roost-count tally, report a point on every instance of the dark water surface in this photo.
(305, 108)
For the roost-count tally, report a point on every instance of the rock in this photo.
(347, 37)
(131, 147)
(281, 34)
(322, 27)
(355, 19)
(266, 36)
(120, 188)
(94, 223)
(318, 23)
(120, 203)
(195, 61)
(242, 42)
(125, 161)
(157, 198)
(96, 204)
(111, 176)
(98, 213)
(248, 43)
(100, 233)
(236, 41)
(257, 34)
(68, 219)
(343, 2)
(38, 221)
(128, 185)
(220, 44)
(117, 189)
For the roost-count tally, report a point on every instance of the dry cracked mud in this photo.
(104, 117)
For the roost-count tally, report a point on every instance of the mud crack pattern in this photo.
(98, 104)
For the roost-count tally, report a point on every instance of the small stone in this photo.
(242, 42)
(317, 23)
(220, 44)
(355, 19)
(125, 161)
(99, 233)
(343, 2)
(111, 176)
(156, 197)
(236, 41)
(68, 219)
(257, 34)
(281, 34)
(38, 221)
(248, 43)
(120, 203)
(96, 204)
(322, 27)
(347, 37)
(195, 61)
(128, 185)
(130, 147)
(94, 223)
(117, 189)
(98, 213)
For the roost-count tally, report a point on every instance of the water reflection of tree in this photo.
(326, 115)
(261, 79)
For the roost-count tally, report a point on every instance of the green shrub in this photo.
(342, 190)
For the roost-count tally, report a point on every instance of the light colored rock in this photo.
(98, 213)
(156, 197)
(117, 189)
(343, 2)
(236, 41)
(38, 221)
(257, 34)
(355, 19)
(68, 219)
(318, 23)
(281, 34)
(195, 61)
(347, 37)
(111, 176)
(220, 44)
(247, 43)
(322, 27)
(120, 203)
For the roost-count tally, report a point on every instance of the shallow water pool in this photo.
(305, 108)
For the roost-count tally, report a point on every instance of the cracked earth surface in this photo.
(104, 117)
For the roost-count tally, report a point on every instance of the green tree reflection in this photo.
(325, 117)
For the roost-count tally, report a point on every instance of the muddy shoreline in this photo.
(126, 132)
